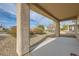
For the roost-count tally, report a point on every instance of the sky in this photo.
(36, 19)
(7, 14)
(8, 17)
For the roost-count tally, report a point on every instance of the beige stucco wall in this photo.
(22, 29)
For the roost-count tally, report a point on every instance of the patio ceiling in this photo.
(58, 11)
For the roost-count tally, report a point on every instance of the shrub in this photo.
(65, 27)
(38, 31)
(12, 31)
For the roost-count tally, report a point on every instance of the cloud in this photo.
(6, 18)
(36, 19)
(9, 7)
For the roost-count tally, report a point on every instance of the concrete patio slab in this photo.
(58, 46)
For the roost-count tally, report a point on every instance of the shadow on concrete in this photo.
(51, 36)
(60, 46)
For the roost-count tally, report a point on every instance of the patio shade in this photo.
(58, 11)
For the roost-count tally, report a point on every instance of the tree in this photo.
(65, 27)
(41, 26)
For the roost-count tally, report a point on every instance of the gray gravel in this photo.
(7, 45)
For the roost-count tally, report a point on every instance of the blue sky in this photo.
(7, 14)
(36, 19)
(8, 17)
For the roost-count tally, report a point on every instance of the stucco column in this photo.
(75, 27)
(22, 28)
(57, 30)
(78, 25)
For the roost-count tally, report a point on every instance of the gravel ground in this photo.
(38, 38)
(7, 45)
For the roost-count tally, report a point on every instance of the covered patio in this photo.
(57, 45)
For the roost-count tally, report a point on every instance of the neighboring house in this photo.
(71, 27)
(51, 28)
